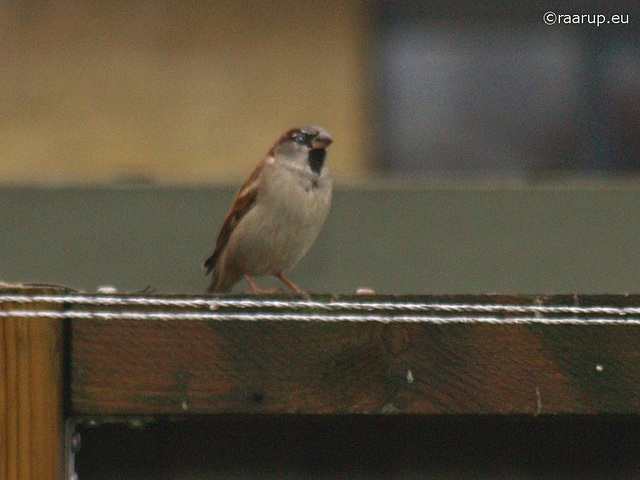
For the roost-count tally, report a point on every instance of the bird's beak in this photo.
(322, 140)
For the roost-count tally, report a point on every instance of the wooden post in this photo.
(31, 394)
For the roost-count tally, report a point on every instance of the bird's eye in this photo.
(300, 137)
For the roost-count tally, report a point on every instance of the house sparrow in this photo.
(277, 214)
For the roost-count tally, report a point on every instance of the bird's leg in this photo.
(255, 288)
(292, 286)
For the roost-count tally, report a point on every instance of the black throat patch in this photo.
(316, 159)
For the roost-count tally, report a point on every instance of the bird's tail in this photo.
(214, 285)
(220, 282)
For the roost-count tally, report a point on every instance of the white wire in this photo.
(381, 312)
(255, 317)
(218, 303)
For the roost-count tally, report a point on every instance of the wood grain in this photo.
(315, 367)
(31, 395)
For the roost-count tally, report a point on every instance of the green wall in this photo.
(395, 239)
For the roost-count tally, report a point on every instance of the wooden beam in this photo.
(31, 392)
(473, 359)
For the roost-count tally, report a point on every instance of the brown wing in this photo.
(244, 200)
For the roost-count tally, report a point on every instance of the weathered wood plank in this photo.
(130, 366)
(31, 393)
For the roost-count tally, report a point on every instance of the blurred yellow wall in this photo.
(174, 91)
